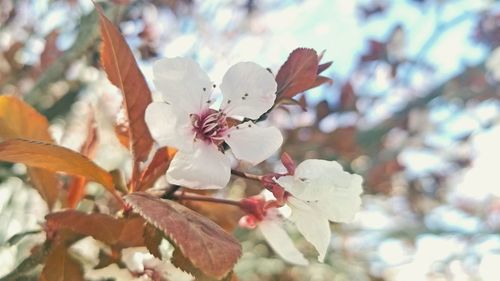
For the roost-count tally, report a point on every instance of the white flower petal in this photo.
(312, 225)
(340, 206)
(294, 186)
(316, 168)
(281, 243)
(320, 177)
(287, 182)
(203, 168)
(169, 127)
(182, 83)
(252, 143)
(248, 89)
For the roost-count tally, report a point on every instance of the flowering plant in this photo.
(191, 137)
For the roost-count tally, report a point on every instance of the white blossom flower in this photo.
(321, 191)
(187, 120)
(273, 231)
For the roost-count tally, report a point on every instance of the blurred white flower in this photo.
(139, 261)
(493, 64)
(188, 121)
(321, 191)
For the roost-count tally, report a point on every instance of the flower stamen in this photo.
(210, 126)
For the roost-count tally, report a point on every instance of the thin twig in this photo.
(191, 197)
(246, 175)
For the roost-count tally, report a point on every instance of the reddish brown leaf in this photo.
(106, 259)
(180, 261)
(322, 110)
(152, 238)
(347, 97)
(379, 177)
(60, 266)
(320, 80)
(118, 232)
(289, 101)
(53, 158)
(324, 66)
(18, 119)
(156, 168)
(204, 243)
(122, 70)
(50, 52)
(344, 141)
(226, 216)
(298, 73)
(376, 51)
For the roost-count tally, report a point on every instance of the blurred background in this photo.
(414, 108)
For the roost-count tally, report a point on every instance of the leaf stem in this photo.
(119, 198)
(192, 197)
(246, 175)
(136, 173)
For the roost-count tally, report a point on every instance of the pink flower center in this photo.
(210, 126)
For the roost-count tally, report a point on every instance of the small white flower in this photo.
(187, 121)
(272, 229)
(321, 191)
(265, 216)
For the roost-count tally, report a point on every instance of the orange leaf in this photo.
(207, 246)
(76, 191)
(122, 133)
(120, 232)
(59, 265)
(53, 158)
(19, 120)
(157, 168)
(122, 70)
(46, 183)
(76, 186)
